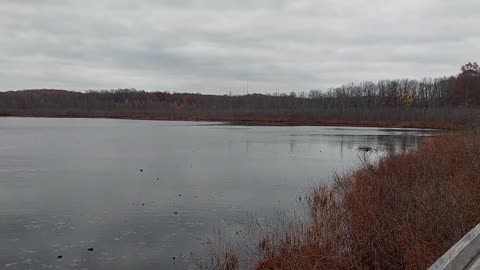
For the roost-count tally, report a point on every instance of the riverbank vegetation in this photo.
(403, 212)
(446, 102)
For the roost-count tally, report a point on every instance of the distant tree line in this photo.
(446, 99)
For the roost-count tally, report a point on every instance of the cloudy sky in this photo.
(217, 46)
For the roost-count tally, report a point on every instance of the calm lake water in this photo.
(143, 192)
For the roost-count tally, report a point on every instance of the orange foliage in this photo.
(402, 213)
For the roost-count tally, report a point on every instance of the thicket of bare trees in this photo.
(440, 99)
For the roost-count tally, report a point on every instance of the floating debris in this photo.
(90, 249)
(10, 264)
(365, 148)
(59, 256)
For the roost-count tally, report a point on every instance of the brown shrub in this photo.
(222, 257)
(402, 213)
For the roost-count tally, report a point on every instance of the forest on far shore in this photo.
(453, 99)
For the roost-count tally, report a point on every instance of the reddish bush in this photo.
(402, 213)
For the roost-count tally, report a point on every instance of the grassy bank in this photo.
(263, 120)
(402, 213)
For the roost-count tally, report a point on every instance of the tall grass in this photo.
(403, 212)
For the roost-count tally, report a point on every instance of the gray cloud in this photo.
(217, 46)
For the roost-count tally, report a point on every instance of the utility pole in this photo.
(230, 104)
(248, 100)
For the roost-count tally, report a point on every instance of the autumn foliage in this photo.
(437, 102)
(403, 212)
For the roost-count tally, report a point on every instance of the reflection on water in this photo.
(147, 194)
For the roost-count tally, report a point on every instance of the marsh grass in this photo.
(403, 212)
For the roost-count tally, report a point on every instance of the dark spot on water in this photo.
(196, 196)
(141, 170)
(173, 258)
(175, 213)
(143, 204)
(365, 148)
(90, 249)
(59, 256)
(158, 178)
(179, 195)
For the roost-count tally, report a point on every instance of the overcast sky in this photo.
(217, 46)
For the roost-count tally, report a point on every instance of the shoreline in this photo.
(253, 121)
(410, 199)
